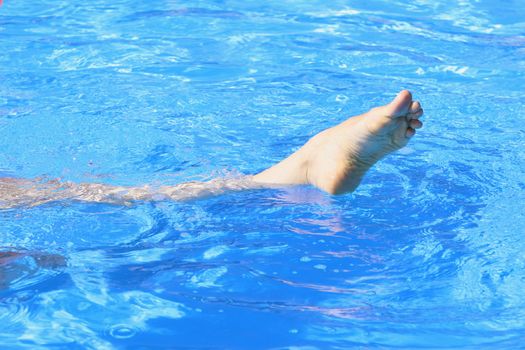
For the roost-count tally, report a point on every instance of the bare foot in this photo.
(336, 159)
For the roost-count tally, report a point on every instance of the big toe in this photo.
(400, 105)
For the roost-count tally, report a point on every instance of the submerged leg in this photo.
(16, 192)
(12, 265)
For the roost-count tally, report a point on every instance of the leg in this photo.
(32, 192)
(335, 160)
(11, 268)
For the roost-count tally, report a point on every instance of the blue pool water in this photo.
(427, 253)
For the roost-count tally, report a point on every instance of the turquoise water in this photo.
(427, 253)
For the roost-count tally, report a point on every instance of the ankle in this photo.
(336, 182)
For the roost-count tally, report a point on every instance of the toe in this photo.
(400, 105)
(415, 124)
(415, 115)
(410, 132)
(414, 107)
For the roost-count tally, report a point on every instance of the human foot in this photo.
(336, 159)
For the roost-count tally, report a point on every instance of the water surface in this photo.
(427, 253)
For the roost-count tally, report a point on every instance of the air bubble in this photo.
(122, 331)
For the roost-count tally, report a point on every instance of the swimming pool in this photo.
(427, 253)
